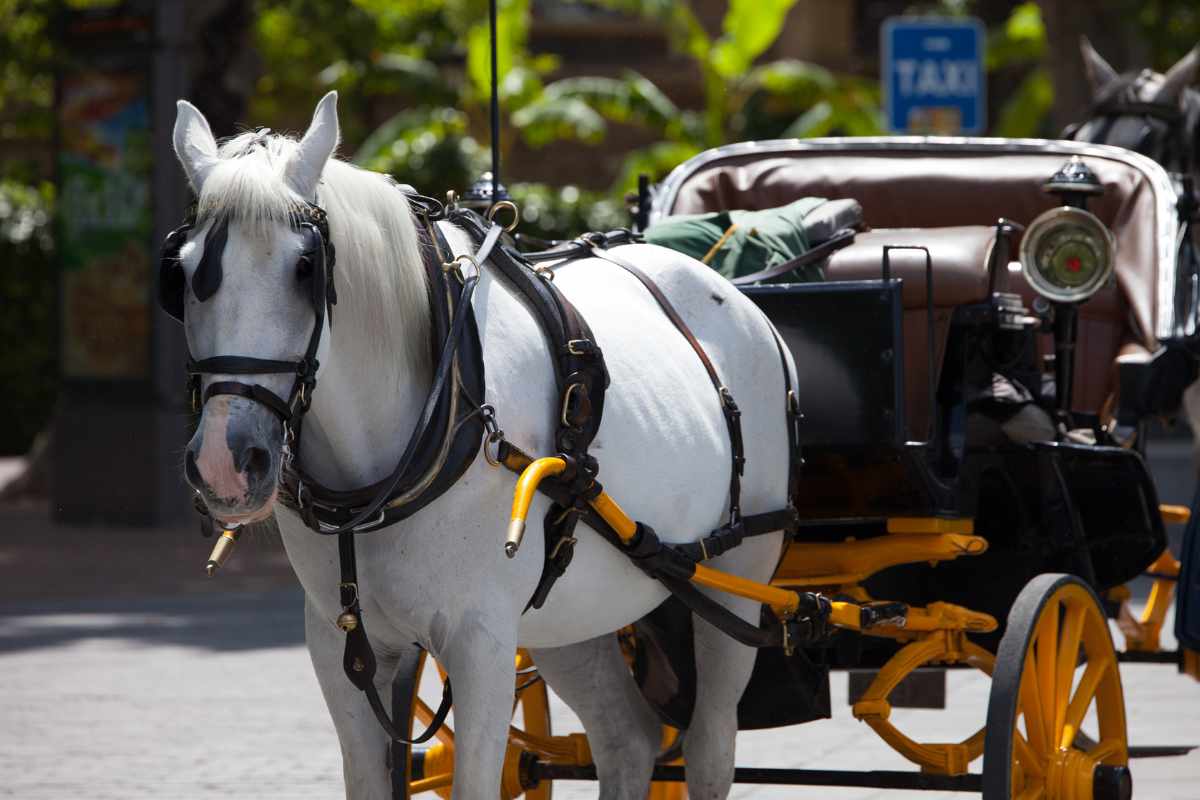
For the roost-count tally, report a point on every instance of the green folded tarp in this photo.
(761, 240)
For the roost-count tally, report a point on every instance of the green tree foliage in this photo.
(1019, 46)
(26, 77)
(1170, 27)
(741, 100)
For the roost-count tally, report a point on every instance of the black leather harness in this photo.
(454, 421)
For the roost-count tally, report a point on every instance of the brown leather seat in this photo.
(959, 255)
(910, 192)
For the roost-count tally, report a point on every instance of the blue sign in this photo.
(933, 79)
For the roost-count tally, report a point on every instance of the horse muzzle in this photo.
(233, 459)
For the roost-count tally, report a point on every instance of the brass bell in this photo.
(347, 621)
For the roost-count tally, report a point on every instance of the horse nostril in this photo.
(253, 462)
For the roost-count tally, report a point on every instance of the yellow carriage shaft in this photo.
(785, 603)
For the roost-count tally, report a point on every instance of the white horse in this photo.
(439, 580)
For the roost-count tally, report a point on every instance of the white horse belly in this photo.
(663, 446)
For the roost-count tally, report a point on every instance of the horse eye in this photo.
(304, 268)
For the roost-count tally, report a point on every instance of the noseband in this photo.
(318, 254)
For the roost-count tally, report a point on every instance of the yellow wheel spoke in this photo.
(1046, 639)
(1029, 760)
(1068, 659)
(1031, 705)
(1032, 793)
(1084, 694)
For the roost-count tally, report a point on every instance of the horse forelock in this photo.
(380, 277)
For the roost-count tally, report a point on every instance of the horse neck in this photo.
(372, 382)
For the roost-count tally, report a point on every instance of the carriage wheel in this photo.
(1056, 661)
(436, 762)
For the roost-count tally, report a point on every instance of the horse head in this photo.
(1155, 114)
(252, 282)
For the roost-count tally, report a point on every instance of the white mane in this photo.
(380, 279)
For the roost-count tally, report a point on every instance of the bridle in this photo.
(318, 257)
(1164, 134)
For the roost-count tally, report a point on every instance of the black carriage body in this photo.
(1042, 506)
(885, 384)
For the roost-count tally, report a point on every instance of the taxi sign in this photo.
(933, 78)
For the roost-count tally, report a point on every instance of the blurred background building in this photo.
(594, 93)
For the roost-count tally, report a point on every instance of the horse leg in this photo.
(365, 746)
(478, 658)
(623, 731)
(723, 668)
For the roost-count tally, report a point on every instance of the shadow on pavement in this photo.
(217, 622)
(65, 584)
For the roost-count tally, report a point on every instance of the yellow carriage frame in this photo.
(1046, 758)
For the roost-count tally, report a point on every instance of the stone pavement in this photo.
(127, 675)
(212, 696)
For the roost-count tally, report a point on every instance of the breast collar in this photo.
(446, 439)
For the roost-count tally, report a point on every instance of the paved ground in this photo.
(124, 674)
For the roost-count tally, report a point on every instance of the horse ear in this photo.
(304, 170)
(1100, 73)
(1179, 77)
(195, 146)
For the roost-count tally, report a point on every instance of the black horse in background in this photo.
(1155, 114)
(1158, 115)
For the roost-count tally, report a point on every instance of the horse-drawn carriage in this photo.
(976, 371)
(968, 386)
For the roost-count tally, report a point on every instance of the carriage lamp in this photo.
(1067, 254)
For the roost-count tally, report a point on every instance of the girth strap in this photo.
(729, 408)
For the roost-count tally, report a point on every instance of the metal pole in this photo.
(495, 107)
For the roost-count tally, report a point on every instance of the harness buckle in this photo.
(454, 266)
(563, 541)
(728, 401)
(379, 518)
(566, 404)
(581, 347)
(495, 435)
(494, 438)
